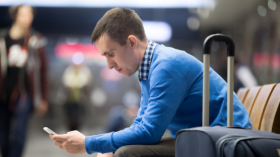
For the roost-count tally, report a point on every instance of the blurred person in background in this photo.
(23, 79)
(243, 75)
(171, 92)
(121, 117)
(76, 79)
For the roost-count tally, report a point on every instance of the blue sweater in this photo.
(171, 99)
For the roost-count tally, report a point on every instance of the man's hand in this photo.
(105, 155)
(73, 142)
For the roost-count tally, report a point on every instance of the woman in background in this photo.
(23, 79)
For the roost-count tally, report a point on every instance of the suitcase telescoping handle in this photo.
(206, 64)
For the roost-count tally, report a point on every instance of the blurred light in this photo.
(68, 50)
(114, 3)
(193, 23)
(262, 10)
(203, 12)
(272, 5)
(98, 97)
(257, 59)
(157, 31)
(265, 59)
(78, 58)
(276, 61)
(131, 98)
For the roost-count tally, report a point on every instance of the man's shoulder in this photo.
(175, 61)
(169, 56)
(167, 61)
(162, 48)
(162, 52)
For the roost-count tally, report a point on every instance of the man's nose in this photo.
(110, 63)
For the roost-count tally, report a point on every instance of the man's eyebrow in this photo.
(104, 54)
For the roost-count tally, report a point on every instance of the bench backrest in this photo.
(260, 105)
(250, 98)
(271, 117)
(242, 93)
(263, 106)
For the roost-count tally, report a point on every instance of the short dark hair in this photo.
(119, 23)
(13, 10)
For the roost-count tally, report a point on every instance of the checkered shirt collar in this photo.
(145, 64)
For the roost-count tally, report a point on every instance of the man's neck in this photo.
(142, 49)
(17, 32)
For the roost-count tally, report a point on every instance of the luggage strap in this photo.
(221, 142)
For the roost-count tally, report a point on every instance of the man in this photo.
(76, 79)
(171, 98)
(22, 79)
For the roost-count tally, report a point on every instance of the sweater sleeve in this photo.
(166, 94)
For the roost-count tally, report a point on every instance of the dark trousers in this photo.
(74, 112)
(165, 148)
(13, 127)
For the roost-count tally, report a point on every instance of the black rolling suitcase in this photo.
(224, 141)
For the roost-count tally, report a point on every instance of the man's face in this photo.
(24, 16)
(123, 59)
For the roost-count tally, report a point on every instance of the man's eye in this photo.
(110, 54)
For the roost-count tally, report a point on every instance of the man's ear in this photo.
(132, 41)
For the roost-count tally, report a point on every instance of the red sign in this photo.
(67, 50)
(265, 59)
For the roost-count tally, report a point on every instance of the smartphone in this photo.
(49, 131)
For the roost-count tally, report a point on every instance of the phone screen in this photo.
(49, 131)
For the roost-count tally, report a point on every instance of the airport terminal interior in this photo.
(83, 94)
